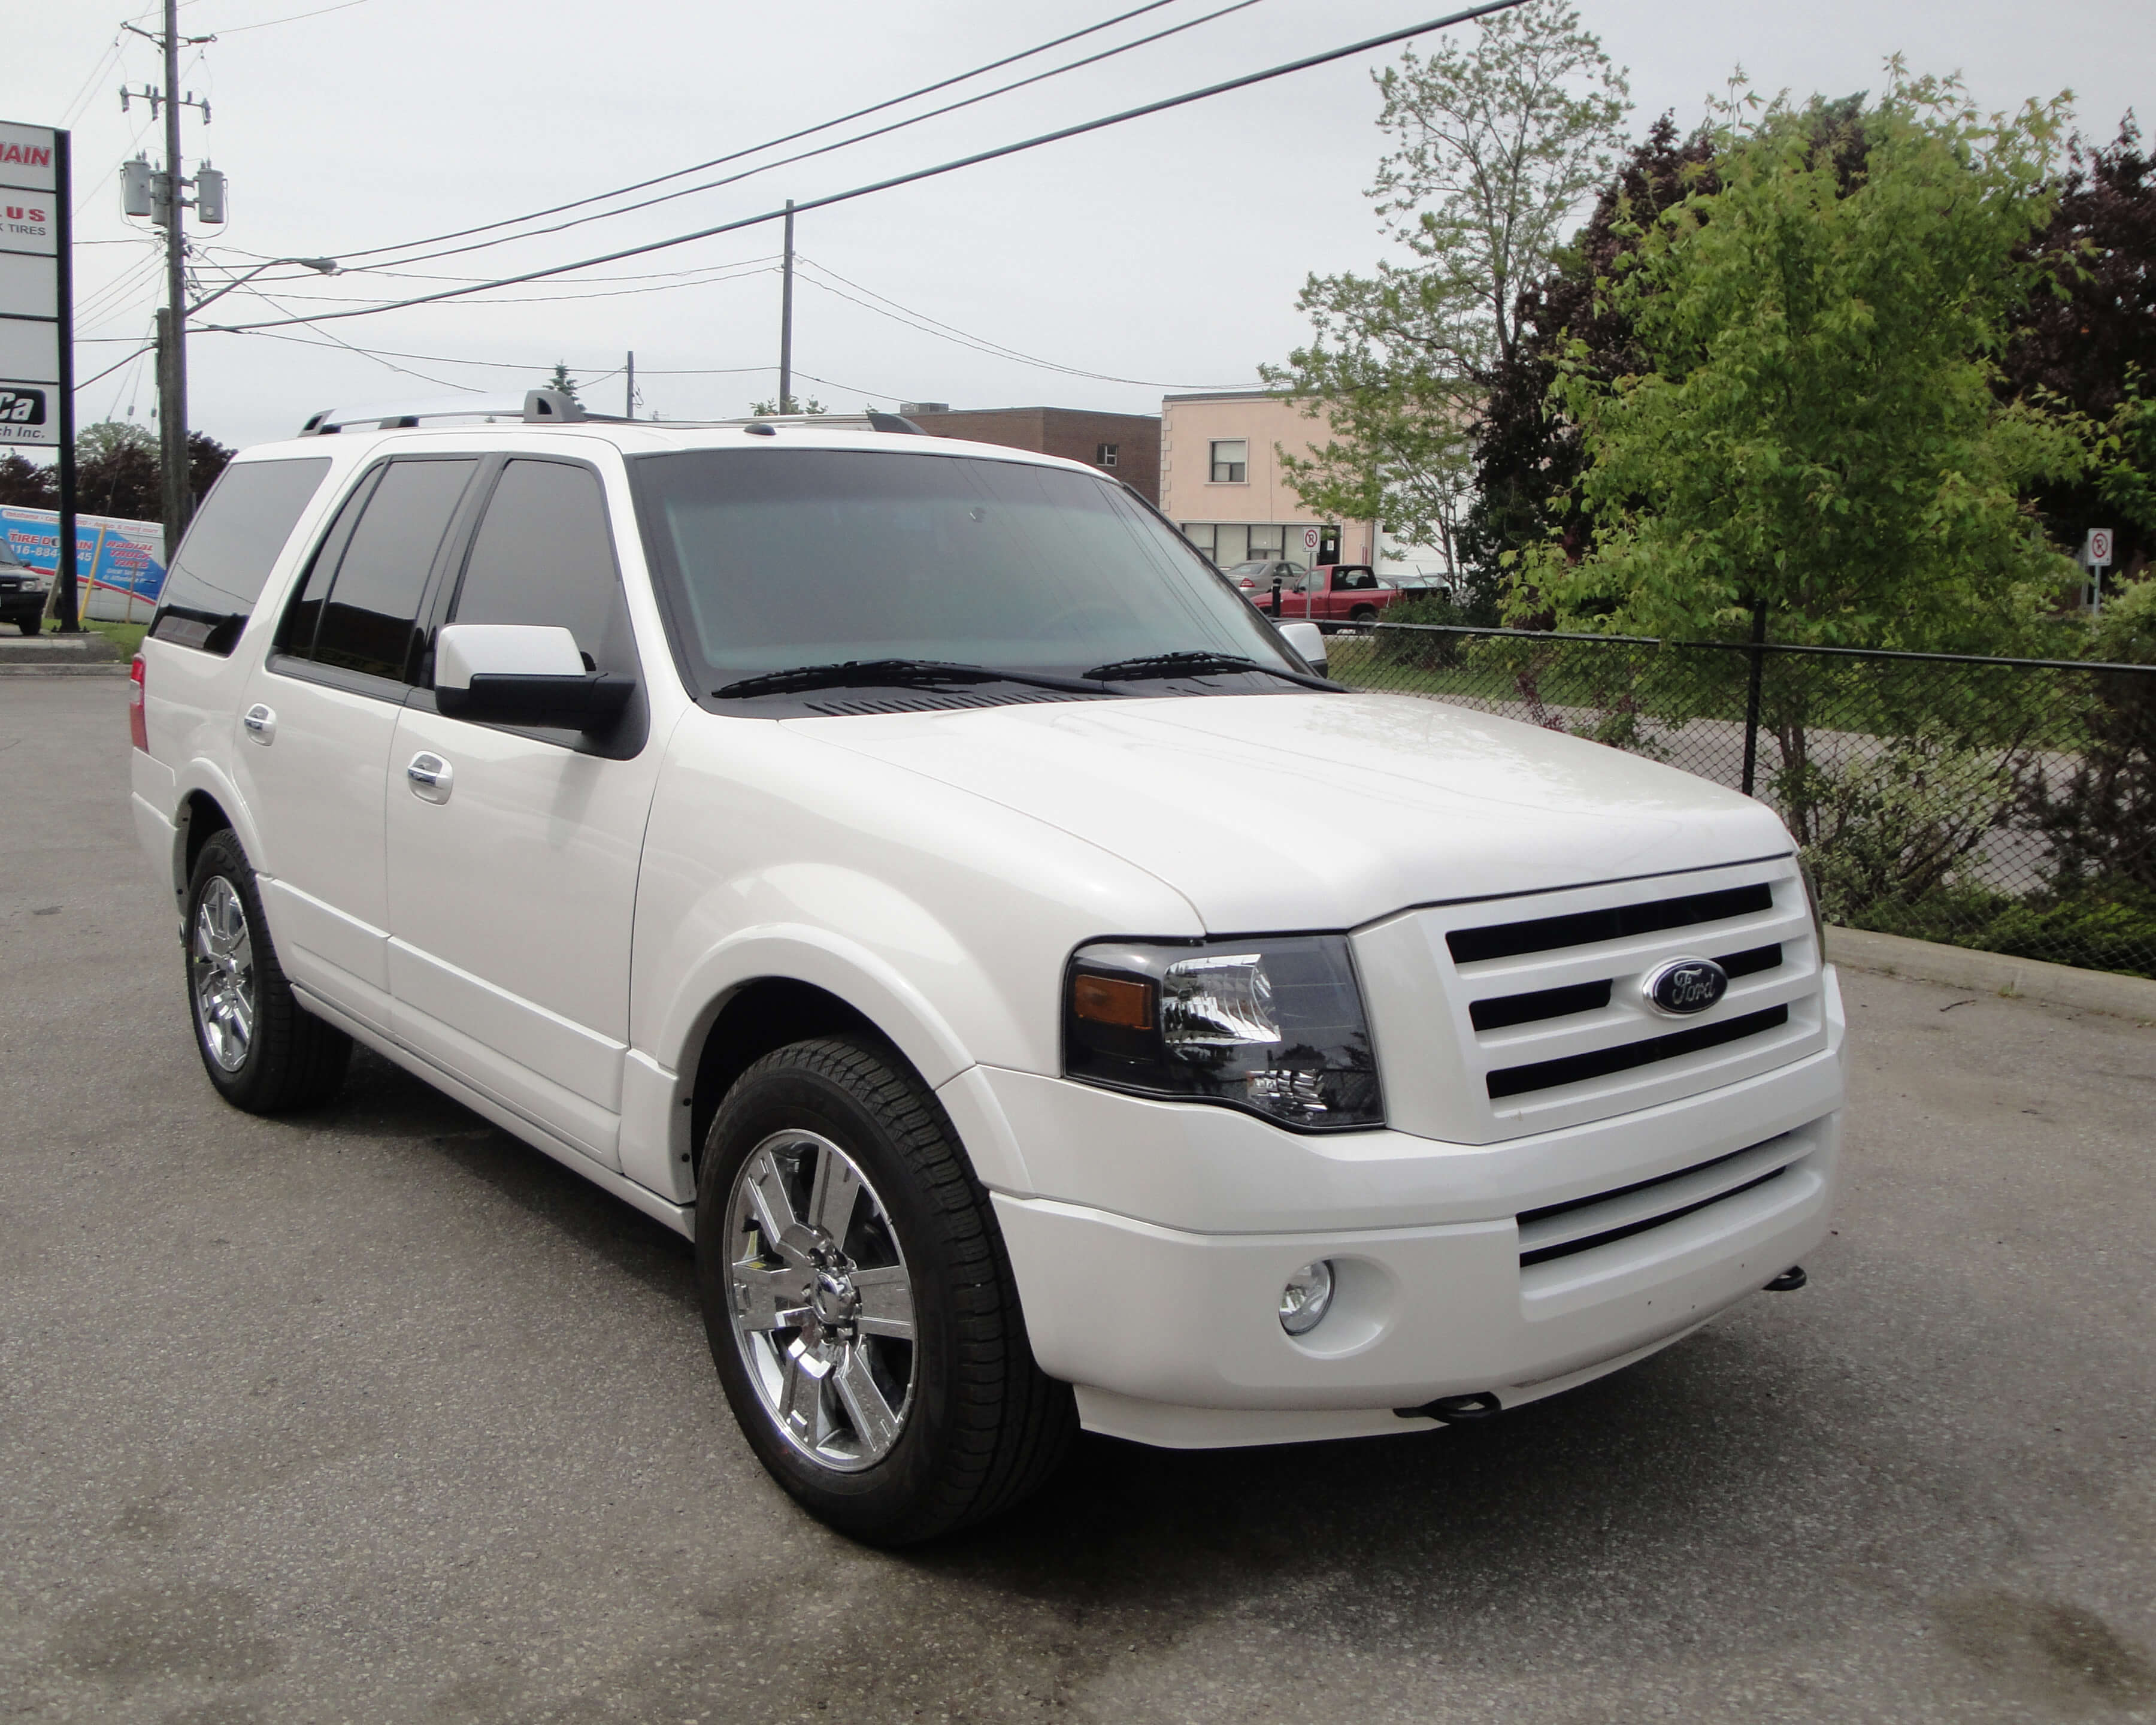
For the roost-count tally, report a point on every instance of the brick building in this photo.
(1127, 445)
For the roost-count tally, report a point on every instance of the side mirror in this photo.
(1308, 640)
(523, 674)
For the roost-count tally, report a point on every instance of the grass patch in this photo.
(125, 637)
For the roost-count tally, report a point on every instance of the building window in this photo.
(1199, 534)
(1231, 462)
(1104, 455)
(1268, 541)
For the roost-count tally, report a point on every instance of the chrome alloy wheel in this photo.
(221, 965)
(822, 1304)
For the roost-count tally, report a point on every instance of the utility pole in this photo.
(629, 391)
(785, 315)
(171, 332)
(167, 199)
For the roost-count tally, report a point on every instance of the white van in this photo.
(910, 870)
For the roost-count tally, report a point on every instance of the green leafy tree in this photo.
(1814, 429)
(1495, 143)
(792, 404)
(2088, 338)
(1527, 453)
(118, 472)
(561, 382)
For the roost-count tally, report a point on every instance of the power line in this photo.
(764, 168)
(974, 160)
(137, 354)
(947, 332)
(717, 275)
(373, 271)
(292, 19)
(495, 365)
(769, 144)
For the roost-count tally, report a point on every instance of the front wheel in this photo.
(262, 1051)
(859, 1303)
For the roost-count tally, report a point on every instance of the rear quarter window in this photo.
(230, 548)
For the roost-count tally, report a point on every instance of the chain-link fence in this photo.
(2006, 805)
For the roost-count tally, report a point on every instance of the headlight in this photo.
(1274, 1026)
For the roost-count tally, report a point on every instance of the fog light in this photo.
(1306, 1298)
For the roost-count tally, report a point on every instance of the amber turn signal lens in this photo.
(1112, 1000)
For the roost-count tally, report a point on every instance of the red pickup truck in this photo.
(1330, 595)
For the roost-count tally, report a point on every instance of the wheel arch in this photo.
(764, 1014)
(199, 816)
(206, 801)
(775, 986)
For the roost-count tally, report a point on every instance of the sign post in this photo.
(37, 319)
(2096, 554)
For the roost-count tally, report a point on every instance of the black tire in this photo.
(984, 1428)
(290, 1058)
(1363, 613)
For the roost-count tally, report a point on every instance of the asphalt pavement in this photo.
(376, 1415)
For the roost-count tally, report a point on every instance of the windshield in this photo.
(777, 558)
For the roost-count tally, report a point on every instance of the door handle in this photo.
(261, 724)
(430, 776)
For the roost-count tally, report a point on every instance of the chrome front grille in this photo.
(1617, 922)
(1623, 1056)
(1550, 1024)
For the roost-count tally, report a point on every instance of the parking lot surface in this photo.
(375, 1414)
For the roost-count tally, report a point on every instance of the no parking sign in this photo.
(2098, 555)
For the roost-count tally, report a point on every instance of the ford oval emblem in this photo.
(1681, 987)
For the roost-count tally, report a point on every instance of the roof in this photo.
(512, 433)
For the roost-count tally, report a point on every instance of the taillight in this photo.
(138, 721)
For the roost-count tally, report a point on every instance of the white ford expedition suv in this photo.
(908, 870)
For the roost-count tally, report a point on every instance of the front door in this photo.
(320, 716)
(513, 852)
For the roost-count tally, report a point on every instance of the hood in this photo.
(1309, 811)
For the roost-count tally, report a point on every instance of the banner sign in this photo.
(120, 564)
(33, 319)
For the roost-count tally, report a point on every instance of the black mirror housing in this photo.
(590, 702)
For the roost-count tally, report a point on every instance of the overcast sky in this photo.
(1167, 252)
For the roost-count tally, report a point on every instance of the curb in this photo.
(2126, 997)
(109, 668)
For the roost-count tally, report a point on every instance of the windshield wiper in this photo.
(893, 673)
(1197, 665)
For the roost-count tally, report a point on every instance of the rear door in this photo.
(513, 851)
(319, 715)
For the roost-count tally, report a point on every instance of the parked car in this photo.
(1342, 593)
(1328, 595)
(22, 592)
(907, 869)
(1255, 578)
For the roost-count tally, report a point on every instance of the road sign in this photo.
(1310, 539)
(2098, 553)
(33, 319)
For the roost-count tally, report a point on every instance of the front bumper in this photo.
(1170, 1332)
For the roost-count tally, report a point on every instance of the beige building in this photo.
(1220, 479)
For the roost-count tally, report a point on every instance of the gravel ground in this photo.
(376, 1415)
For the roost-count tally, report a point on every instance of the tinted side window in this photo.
(303, 615)
(368, 617)
(543, 555)
(211, 586)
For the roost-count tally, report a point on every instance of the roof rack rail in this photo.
(536, 406)
(551, 407)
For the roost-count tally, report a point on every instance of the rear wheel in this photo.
(859, 1303)
(1363, 613)
(262, 1051)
